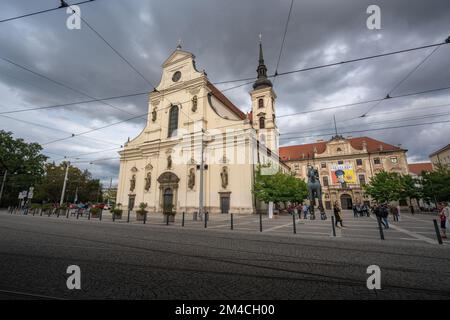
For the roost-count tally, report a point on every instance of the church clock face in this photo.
(176, 76)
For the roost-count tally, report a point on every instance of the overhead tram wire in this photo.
(367, 130)
(447, 41)
(284, 38)
(402, 80)
(42, 11)
(59, 83)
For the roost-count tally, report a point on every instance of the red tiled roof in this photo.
(417, 168)
(221, 97)
(296, 152)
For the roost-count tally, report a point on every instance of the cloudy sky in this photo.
(223, 35)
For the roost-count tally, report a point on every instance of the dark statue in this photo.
(315, 191)
(224, 176)
(148, 181)
(133, 183)
(191, 179)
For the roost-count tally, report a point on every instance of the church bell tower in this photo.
(263, 107)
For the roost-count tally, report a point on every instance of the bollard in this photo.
(78, 213)
(128, 218)
(206, 219)
(57, 215)
(260, 222)
(380, 228)
(194, 216)
(293, 223)
(182, 221)
(67, 213)
(232, 222)
(113, 217)
(438, 233)
(333, 226)
(167, 219)
(145, 217)
(101, 214)
(40, 212)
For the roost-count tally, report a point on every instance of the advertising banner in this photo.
(341, 173)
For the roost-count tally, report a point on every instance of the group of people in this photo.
(300, 209)
(361, 210)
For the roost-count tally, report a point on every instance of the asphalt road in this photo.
(136, 261)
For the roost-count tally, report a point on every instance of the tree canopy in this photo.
(436, 184)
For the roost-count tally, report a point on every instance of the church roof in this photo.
(222, 98)
(307, 150)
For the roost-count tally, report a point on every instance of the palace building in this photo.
(189, 117)
(345, 165)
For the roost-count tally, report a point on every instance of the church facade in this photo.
(188, 117)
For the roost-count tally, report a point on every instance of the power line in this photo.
(367, 130)
(403, 79)
(42, 11)
(364, 102)
(447, 41)
(59, 83)
(284, 37)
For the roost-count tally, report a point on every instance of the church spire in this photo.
(262, 81)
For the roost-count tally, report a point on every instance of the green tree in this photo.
(79, 183)
(410, 188)
(384, 187)
(436, 184)
(279, 187)
(24, 164)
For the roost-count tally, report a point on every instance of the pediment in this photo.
(178, 55)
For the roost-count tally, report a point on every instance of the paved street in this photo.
(154, 261)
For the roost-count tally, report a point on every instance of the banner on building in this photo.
(341, 173)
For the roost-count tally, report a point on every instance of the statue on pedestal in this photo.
(315, 191)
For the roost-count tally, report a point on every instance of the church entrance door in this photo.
(346, 202)
(168, 200)
(168, 186)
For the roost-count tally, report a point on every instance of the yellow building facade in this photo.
(345, 165)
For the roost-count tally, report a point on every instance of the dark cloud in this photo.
(223, 36)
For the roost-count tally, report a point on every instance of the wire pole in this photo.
(64, 184)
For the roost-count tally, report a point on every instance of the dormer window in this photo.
(260, 103)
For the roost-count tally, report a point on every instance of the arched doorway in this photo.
(346, 202)
(168, 187)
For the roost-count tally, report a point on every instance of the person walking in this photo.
(337, 214)
(305, 211)
(365, 210)
(384, 212)
(355, 211)
(394, 212)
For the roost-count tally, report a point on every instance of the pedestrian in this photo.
(365, 210)
(394, 212)
(384, 213)
(305, 211)
(359, 210)
(355, 212)
(337, 214)
(444, 222)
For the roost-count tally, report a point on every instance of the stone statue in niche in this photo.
(148, 181)
(154, 115)
(194, 103)
(133, 183)
(169, 162)
(224, 177)
(191, 179)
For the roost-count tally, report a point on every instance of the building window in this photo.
(394, 160)
(362, 179)
(359, 162)
(173, 120)
(262, 123)
(338, 149)
(340, 162)
(325, 181)
(260, 103)
(323, 165)
(376, 161)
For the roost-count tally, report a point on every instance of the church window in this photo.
(173, 120)
(359, 162)
(362, 179)
(261, 103)
(262, 123)
(325, 181)
(323, 165)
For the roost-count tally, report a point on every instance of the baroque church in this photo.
(199, 150)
